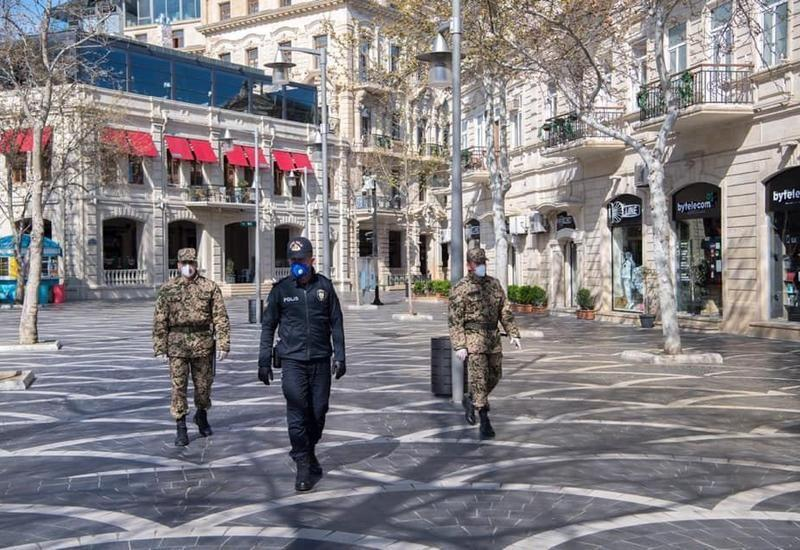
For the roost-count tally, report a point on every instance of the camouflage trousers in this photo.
(202, 377)
(484, 371)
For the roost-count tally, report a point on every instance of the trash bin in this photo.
(441, 374)
(59, 294)
(44, 292)
(251, 310)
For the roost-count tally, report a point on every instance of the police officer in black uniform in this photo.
(305, 310)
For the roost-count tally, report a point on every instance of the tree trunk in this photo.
(409, 241)
(28, 323)
(497, 163)
(661, 253)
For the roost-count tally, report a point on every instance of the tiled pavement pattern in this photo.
(591, 452)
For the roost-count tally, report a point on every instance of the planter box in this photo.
(586, 314)
(522, 308)
(647, 321)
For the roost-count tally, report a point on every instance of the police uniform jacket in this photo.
(308, 319)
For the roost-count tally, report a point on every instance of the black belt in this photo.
(481, 326)
(188, 329)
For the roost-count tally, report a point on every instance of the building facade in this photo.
(579, 207)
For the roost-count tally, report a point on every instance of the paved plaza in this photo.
(591, 452)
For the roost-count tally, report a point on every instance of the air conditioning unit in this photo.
(518, 225)
(537, 223)
(641, 175)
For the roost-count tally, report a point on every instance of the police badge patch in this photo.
(295, 246)
(321, 295)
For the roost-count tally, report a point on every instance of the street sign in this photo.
(247, 224)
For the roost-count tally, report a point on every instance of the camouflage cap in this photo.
(299, 248)
(187, 255)
(476, 255)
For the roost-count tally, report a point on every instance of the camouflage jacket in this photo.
(476, 306)
(188, 313)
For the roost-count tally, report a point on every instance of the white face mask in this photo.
(188, 271)
(480, 271)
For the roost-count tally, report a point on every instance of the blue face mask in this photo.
(480, 271)
(300, 270)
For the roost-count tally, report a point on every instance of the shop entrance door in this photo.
(570, 273)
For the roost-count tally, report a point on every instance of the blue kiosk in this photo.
(8, 268)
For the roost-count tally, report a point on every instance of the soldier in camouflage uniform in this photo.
(189, 314)
(477, 303)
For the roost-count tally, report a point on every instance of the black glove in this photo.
(338, 369)
(265, 374)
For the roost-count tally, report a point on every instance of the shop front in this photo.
(697, 213)
(783, 212)
(625, 223)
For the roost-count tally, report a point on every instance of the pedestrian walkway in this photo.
(591, 452)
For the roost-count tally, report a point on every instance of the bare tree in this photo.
(43, 72)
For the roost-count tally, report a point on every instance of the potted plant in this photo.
(513, 296)
(586, 305)
(441, 288)
(539, 300)
(525, 299)
(647, 319)
(230, 274)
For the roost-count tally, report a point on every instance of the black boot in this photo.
(486, 427)
(303, 479)
(469, 410)
(314, 466)
(201, 419)
(182, 439)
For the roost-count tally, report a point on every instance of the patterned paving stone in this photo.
(591, 452)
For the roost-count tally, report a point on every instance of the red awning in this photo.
(250, 152)
(21, 141)
(301, 161)
(141, 144)
(116, 138)
(284, 160)
(237, 157)
(179, 148)
(203, 152)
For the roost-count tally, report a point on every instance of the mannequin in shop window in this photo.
(627, 276)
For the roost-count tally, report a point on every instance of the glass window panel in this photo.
(266, 99)
(628, 284)
(104, 67)
(174, 10)
(191, 9)
(230, 91)
(159, 10)
(700, 266)
(301, 104)
(150, 76)
(192, 84)
(781, 23)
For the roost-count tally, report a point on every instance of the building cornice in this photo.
(289, 12)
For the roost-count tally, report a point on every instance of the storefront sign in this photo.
(783, 191)
(625, 210)
(700, 200)
(564, 221)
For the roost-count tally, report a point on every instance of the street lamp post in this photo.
(441, 61)
(257, 189)
(279, 78)
(370, 189)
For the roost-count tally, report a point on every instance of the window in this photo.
(423, 187)
(287, 55)
(226, 57)
(395, 249)
(231, 92)
(515, 128)
(109, 167)
(248, 175)
(177, 39)
(5, 267)
(224, 11)
(196, 174)
(776, 18)
(285, 3)
(297, 188)
(363, 61)
(394, 58)
(141, 37)
(19, 168)
(146, 12)
(252, 57)
(551, 101)
(320, 41)
(721, 35)
(625, 220)
(277, 177)
(639, 76)
(252, 7)
(135, 170)
(173, 170)
(676, 48)
(192, 83)
(150, 76)
(230, 174)
(464, 133)
(397, 129)
(364, 243)
(480, 130)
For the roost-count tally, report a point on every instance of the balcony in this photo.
(567, 135)
(380, 143)
(433, 151)
(474, 165)
(705, 94)
(224, 197)
(384, 203)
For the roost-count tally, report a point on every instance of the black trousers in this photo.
(307, 388)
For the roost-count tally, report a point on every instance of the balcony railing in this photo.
(722, 84)
(125, 277)
(564, 129)
(473, 158)
(432, 150)
(378, 141)
(236, 195)
(384, 203)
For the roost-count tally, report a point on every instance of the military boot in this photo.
(303, 480)
(469, 410)
(201, 419)
(314, 466)
(182, 439)
(486, 427)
